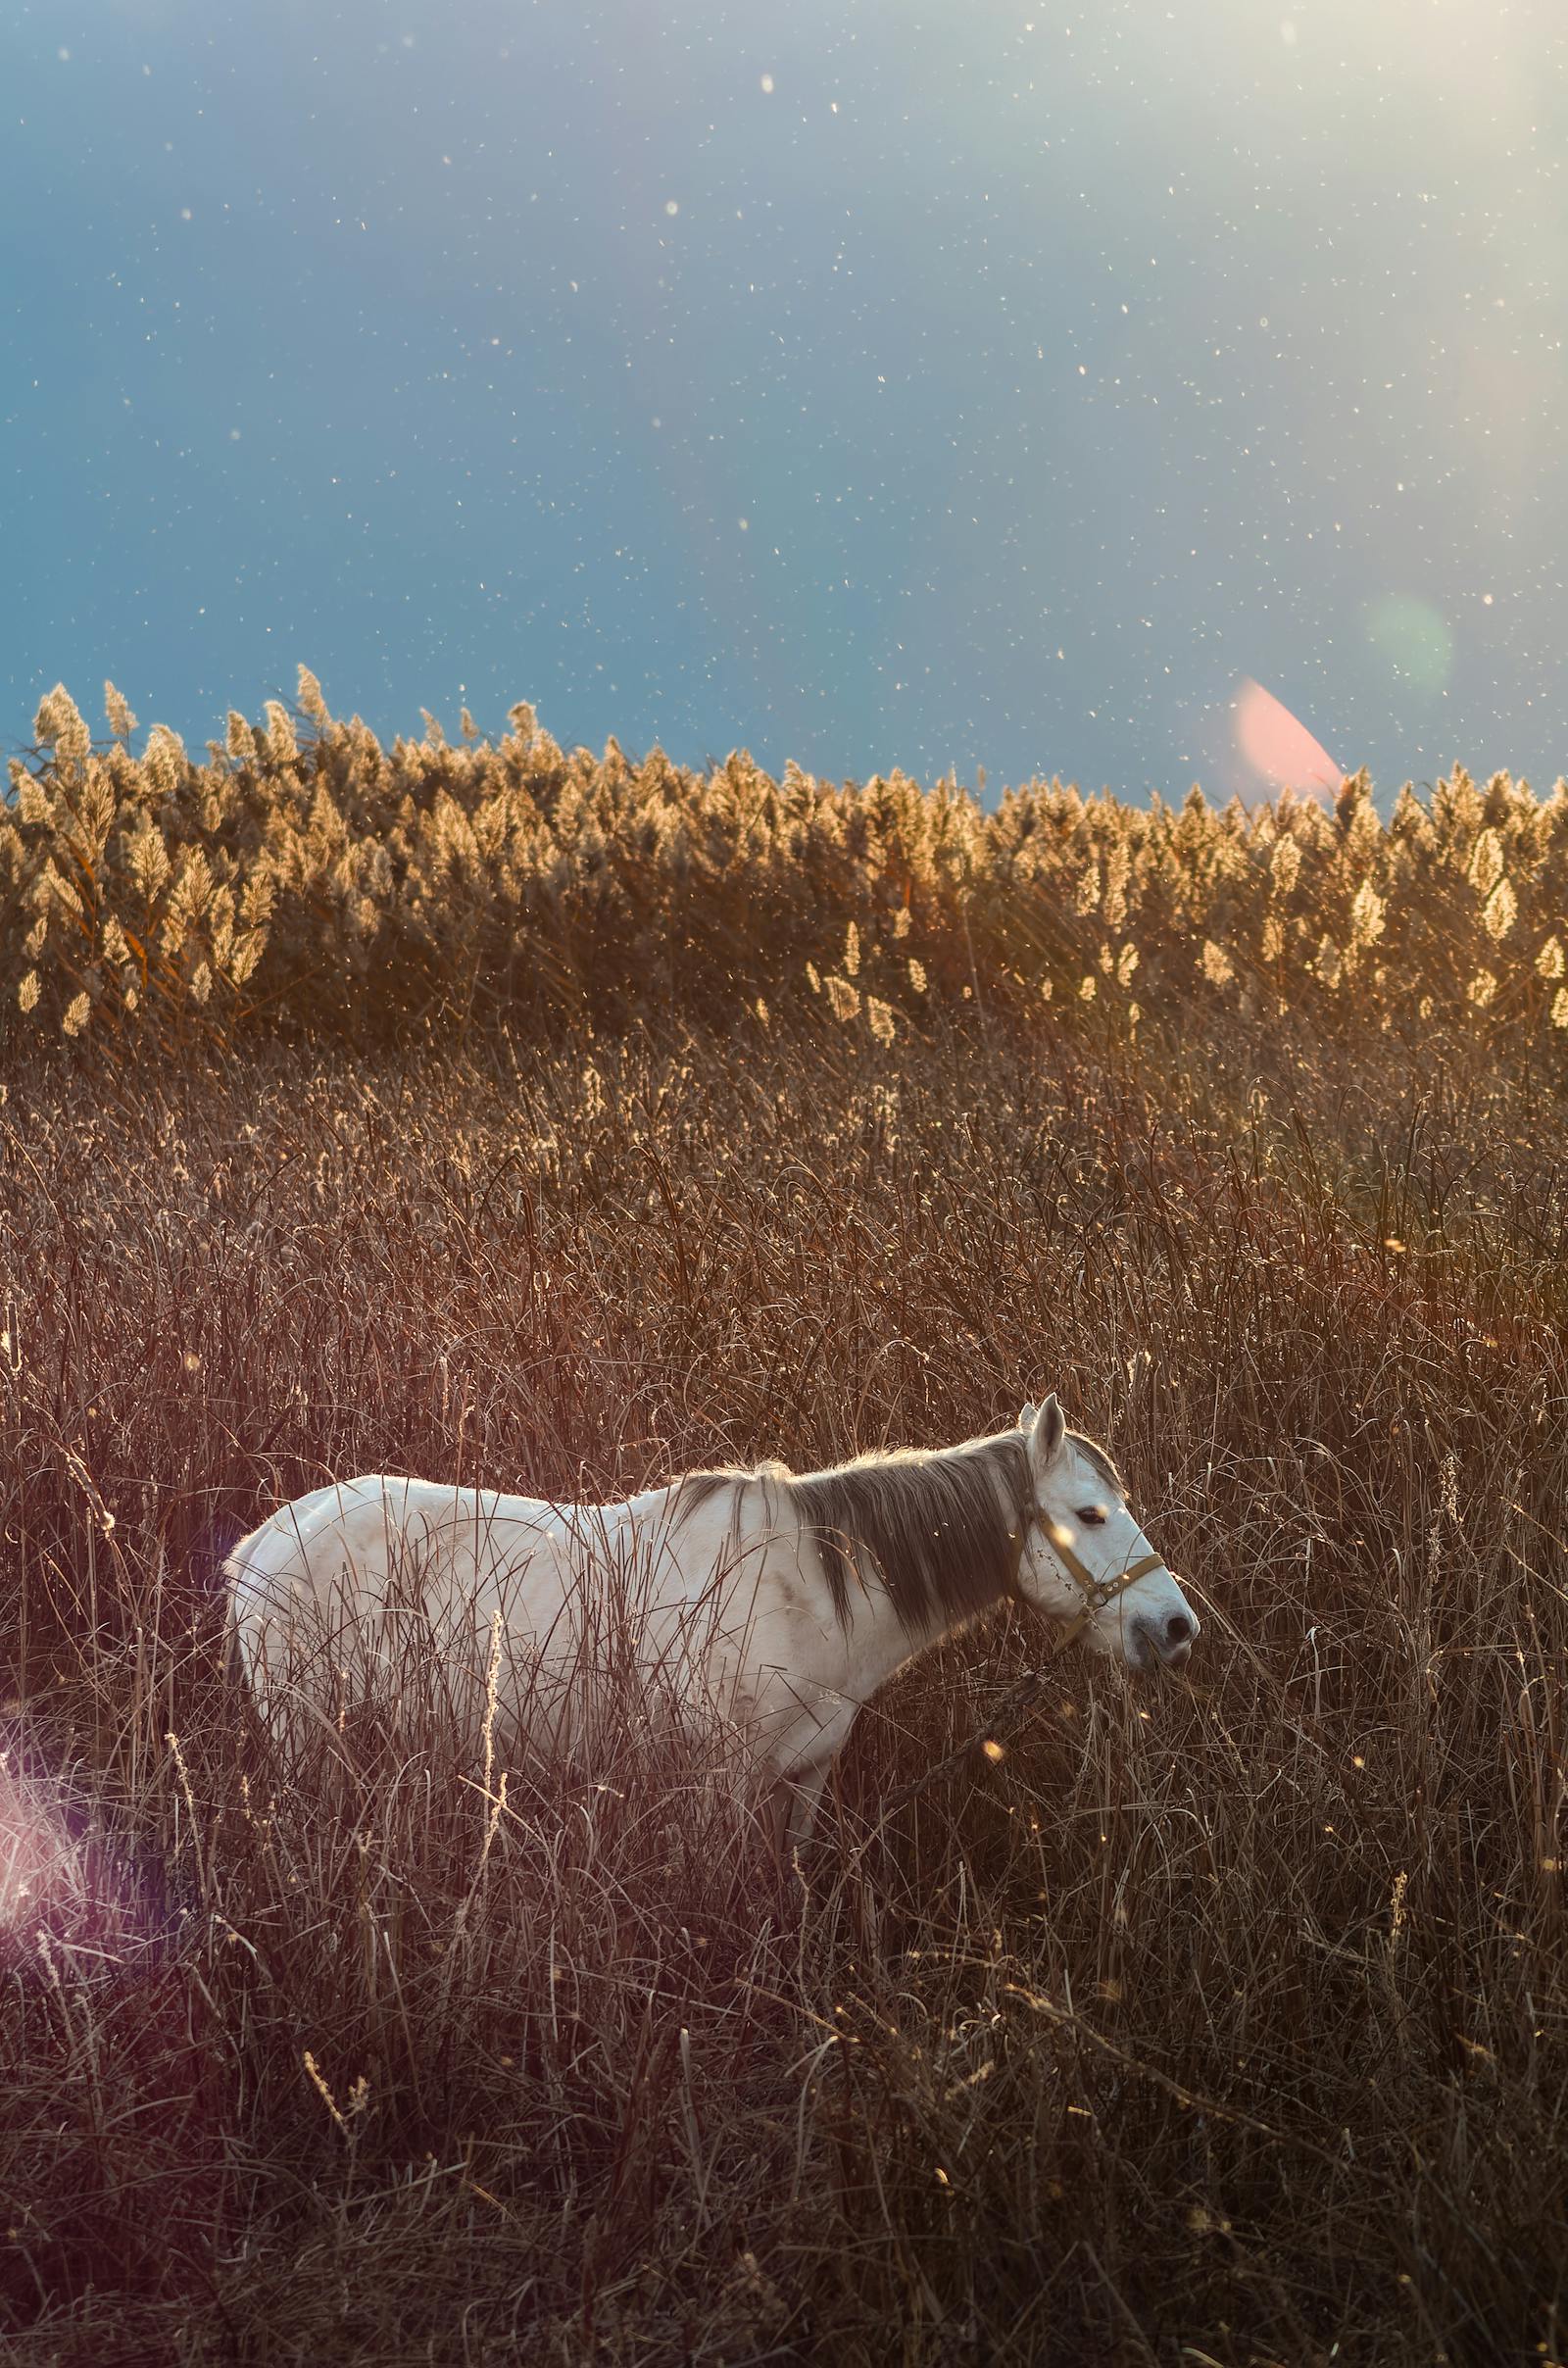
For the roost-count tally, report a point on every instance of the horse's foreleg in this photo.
(802, 1792)
(789, 1813)
(777, 1824)
(804, 1759)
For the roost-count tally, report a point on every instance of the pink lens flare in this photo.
(1279, 747)
(62, 1886)
(41, 1867)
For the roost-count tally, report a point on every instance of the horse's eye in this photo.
(1092, 1517)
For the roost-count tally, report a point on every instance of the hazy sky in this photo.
(872, 384)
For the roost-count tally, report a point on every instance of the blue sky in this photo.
(865, 383)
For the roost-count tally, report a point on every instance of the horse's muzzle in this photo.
(1161, 1640)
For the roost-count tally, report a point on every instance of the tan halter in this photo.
(1096, 1592)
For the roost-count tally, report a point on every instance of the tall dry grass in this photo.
(1213, 2022)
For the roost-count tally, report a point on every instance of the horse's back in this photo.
(372, 1585)
(360, 1526)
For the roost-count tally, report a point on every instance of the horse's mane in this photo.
(939, 1526)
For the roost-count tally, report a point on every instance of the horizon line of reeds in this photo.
(304, 880)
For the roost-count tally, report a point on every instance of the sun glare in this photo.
(39, 1863)
(1278, 745)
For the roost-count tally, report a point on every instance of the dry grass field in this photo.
(1217, 2021)
(1220, 2020)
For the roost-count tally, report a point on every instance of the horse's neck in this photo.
(878, 1643)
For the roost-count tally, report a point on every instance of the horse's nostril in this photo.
(1178, 1628)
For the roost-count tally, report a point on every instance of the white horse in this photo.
(780, 1603)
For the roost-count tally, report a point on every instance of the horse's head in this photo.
(1084, 1552)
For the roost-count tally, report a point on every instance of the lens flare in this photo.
(1411, 638)
(1278, 746)
(39, 1863)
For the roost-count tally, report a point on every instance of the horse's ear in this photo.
(1046, 1437)
(1027, 1420)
